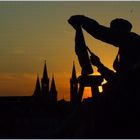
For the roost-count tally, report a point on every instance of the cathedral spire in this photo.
(53, 91)
(73, 72)
(45, 73)
(73, 85)
(37, 87)
(45, 81)
(53, 87)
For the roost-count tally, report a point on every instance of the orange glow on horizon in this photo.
(12, 85)
(87, 93)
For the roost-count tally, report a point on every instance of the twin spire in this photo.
(37, 87)
(53, 87)
(73, 85)
(43, 90)
(73, 72)
(45, 77)
(50, 94)
(45, 73)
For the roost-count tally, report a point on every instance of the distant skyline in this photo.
(34, 31)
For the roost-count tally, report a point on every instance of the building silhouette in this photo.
(49, 93)
(73, 85)
(43, 116)
(45, 82)
(53, 92)
(37, 90)
(43, 91)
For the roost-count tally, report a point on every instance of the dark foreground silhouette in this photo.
(106, 117)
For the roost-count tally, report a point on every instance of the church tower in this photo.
(37, 90)
(53, 92)
(73, 85)
(45, 82)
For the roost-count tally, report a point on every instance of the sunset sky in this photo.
(31, 32)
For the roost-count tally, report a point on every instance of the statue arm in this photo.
(98, 31)
(105, 72)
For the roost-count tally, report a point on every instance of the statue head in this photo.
(120, 24)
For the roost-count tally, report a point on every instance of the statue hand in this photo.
(95, 60)
(75, 21)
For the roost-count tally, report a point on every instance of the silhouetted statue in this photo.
(85, 80)
(81, 51)
(108, 74)
(119, 35)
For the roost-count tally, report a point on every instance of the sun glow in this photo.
(87, 92)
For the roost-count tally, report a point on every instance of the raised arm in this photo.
(105, 72)
(98, 31)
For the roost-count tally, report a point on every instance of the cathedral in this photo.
(46, 92)
(73, 85)
(43, 91)
(49, 93)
